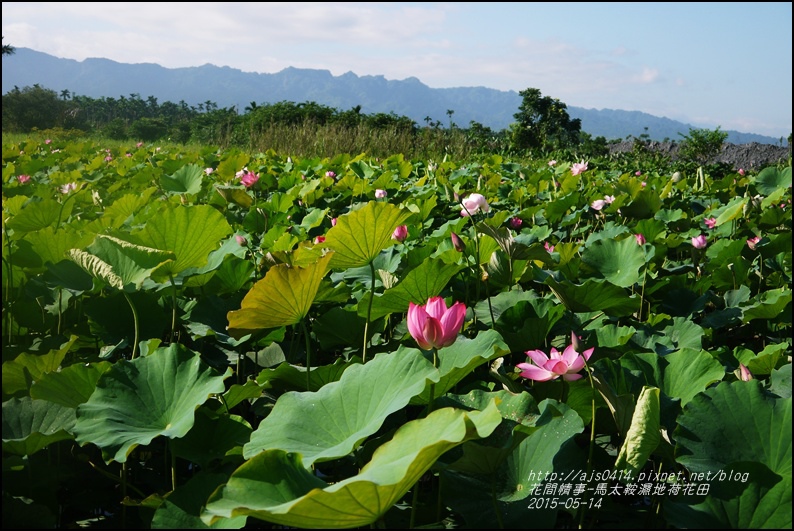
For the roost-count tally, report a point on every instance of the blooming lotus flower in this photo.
(699, 242)
(566, 364)
(208, 171)
(68, 187)
(319, 239)
(598, 204)
(249, 179)
(380, 194)
(644, 184)
(108, 158)
(400, 233)
(457, 243)
(549, 248)
(516, 223)
(640, 239)
(433, 325)
(23, 178)
(552, 163)
(638, 173)
(578, 167)
(128, 154)
(710, 222)
(752, 242)
(139, 144)
(330, 174)
(473, 204)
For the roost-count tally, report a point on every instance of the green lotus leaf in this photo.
(333, 421)
(282, 298)
(293, 377)
(22, 371)
(52, 245)
(30, 425)
(211, 438)
(182, 507)
(768, 305)
(35, 216)
(425, 281)
(120, 264)
(360, 236)
(138, 400)
(593, 296)
(189, 232)
(458, 360)
(644, 433)
(772, 178)
(735, 422)
(70, 386)
(185, 180)
(276, 486)
(547, 449)
(617, 261)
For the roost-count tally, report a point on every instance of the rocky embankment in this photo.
(753, 156)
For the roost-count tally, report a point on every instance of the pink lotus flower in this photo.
(319, 239)
(330, 174)
(549, 248)
(240, 240)
(473, 204)
(333, 222)
(249, 179)
(598, 204)
(741, 172)
(380, 194)
(710, 222)
(566, 364)
(752, 242)
(640, 239)
(139, 144)
(457, 243)
(699, 242)
(638, 173)
(644, 184)
(208, 171)
(48, 141)
(68, 187)
(552, 163)
(433, 325)
(23, 178)
(400, 233)
(108, 158)
(578, 167)
(516, 223)
(128, 154)
(744, 373)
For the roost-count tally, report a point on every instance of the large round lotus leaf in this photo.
(275, 485)
(120, 264)
(182, 507)
(358, 237)
(735, 422)
(138, 400)
(30, 425)
(185, 180)
(71, 386)
(282, 298)
(190, 232)
(617, 261)
(593, 296)
(331, 422)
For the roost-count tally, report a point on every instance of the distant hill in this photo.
(230, 87)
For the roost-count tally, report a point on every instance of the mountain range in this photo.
(230, 87)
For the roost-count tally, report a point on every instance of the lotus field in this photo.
(205, 337)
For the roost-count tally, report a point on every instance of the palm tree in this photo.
(65, 94)
(8, 49)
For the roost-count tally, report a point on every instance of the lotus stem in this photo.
(369, 311)
(308, 354)
(135, 321)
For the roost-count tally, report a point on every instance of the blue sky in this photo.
(708, 64)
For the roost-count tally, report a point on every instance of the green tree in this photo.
(8, 49)
(542, 122)
(700, 145)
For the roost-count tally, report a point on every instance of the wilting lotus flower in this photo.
(752, 242)
(640, 239)
(23, 178)
(516, 223)
(566, 364)
(380, 194)
(699, 242)
(433, 325)
(578, 167)
(457, 243)
(710, 222)
(249, 179)
(400, 233)
(473, 204)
